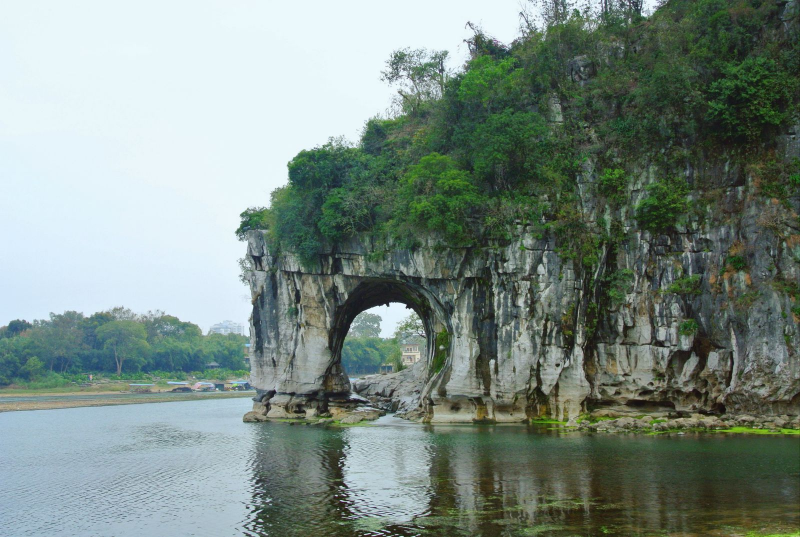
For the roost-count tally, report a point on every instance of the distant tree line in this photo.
(364, 351)
(117, 341)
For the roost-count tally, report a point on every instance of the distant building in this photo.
(411, 350)
(227, 327)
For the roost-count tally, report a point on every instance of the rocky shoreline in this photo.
(363, 410)
(399, 393)
(605, 423)
(336, 417)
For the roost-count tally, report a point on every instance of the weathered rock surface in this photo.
(350, 410)
(351, 419)
(398, 392)
(697, 422)
(525, 332)
(253, 417)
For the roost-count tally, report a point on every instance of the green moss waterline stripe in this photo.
(563, 427)
(732, 430)
(362, 423)
(750, 430)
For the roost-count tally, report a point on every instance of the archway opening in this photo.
(383, 339)
(425, 318)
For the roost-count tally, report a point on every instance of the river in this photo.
(193, 468)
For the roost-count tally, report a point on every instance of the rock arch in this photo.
(528, 333)
(495, 366)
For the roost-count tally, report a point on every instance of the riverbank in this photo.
(11, 402)
(604, 421)
(649, 424)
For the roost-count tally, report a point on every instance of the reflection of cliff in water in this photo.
(338, 482)
(408, 480)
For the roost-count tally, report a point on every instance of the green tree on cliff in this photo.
(420, 75)
(516, 136)
(252, 218)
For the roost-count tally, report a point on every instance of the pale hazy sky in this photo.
(132, 134)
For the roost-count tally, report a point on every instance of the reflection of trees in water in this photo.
(410, 480)
(297, 483)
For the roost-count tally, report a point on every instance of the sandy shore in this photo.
(12, 402)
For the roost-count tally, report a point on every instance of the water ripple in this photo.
(194, 468)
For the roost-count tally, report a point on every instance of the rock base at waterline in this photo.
(604, 423)
(348, 414)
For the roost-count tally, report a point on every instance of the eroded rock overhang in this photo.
(526, 333)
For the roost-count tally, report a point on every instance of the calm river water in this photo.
(193, 468)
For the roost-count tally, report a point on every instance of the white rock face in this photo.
(529, 334)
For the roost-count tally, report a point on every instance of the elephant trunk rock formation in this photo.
(518, 330)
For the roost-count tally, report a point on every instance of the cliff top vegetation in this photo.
(580, 98)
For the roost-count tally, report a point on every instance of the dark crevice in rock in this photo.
(650, 406)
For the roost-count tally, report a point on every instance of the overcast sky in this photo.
(132, 134)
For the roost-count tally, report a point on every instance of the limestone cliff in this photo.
(517, 331)
(583, 306)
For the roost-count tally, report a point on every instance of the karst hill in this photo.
(603, 213)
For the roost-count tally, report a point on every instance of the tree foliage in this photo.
(119, 341)
(419, 74)
(365, 355)
(365, 324)
(411, 325)
(749, 99)
(515, 136)
(252, 218)
(16, 327)
(439, 197)
(665, 204)
(126, 339)
(59, 340)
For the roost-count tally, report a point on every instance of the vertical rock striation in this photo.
(526, 332)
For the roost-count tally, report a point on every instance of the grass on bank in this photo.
(730, 430)
(560, 425)
(750, 430)
(62, 384)
(64, 390)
